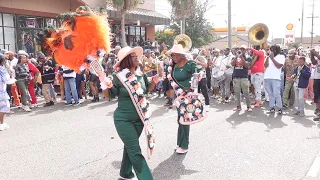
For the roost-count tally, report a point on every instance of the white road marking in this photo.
(315, 167)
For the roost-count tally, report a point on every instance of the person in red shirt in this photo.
(34, 73)
(257, 71)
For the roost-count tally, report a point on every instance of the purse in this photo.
(190, 104)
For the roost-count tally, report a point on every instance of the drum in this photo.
(229, 72)
(219, 76)
(191, 108)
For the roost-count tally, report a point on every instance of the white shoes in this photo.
(207, 108)
(128, 178)
(26, 108)
(181, 151)
(4, 126)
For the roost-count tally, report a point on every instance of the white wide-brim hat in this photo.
(22, 52)
(124, 52)
(178, 49)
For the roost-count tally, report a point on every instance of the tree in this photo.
(163, 37)
(293, 46)
(124, 6)
(197, 26)
(182, 9)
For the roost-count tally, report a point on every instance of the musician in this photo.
(214, 82)
(257, 70)
(226, 66)
(182, 73)
(202, 63)
(148, 64)
(127, 120)
(290, 64)
(272, 77)
(240, 78)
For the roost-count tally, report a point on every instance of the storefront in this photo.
(22, 21)
(21, 31)
(134, 34)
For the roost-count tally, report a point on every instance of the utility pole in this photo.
(302, 17)
(229, 23)
(312, 21)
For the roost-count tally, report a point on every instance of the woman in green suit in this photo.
(126, 118)
(182, 71)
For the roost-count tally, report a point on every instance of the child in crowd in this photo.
(301, 77)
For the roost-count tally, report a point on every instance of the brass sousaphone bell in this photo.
(184, 40)
(258, 34)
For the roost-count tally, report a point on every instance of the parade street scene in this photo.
(159, 90)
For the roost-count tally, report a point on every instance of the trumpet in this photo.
(239, 53)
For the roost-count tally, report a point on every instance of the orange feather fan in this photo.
(84, 35)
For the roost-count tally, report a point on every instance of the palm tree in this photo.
(124, 6)
(182, 9)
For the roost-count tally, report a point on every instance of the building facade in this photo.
(22, 21)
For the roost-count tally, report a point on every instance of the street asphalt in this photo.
(81, 142)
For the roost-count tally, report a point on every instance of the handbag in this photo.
(190, 104)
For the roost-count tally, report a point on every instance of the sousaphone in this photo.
(184, 40)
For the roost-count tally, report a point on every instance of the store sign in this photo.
(30, 23)
(289, 34)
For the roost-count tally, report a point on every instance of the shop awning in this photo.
(142, 15)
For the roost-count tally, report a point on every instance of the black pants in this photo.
(9, 92)
(208, 75)
(202, 86)
(316, 90)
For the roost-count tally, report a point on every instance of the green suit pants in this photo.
(129, 132)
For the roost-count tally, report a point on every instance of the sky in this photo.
(276, 14)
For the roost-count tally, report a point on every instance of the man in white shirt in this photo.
(272, 77)
(69, 77)
(228, 71)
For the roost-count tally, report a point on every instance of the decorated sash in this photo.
(130, 82)
(190, 104)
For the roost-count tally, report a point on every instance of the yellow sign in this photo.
(289, 27)
(168, 31)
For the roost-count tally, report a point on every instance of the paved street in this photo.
(77, 143)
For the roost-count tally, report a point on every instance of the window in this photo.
(9, 37)
(1, 37)
(8, 20)
(138, 31)
(31, 22)
(132, 30)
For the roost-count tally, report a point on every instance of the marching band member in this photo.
(272, 77)
(214, 82)
(182, 71)
(127, 118)
(228, 71)
(290, 64)
(200, 59)
(257, 70)
(240, 78)
(148, 63)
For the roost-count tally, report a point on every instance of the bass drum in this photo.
(219, 76)
(191, 108)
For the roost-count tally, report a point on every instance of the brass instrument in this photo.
(184, 40)
(258, 35)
